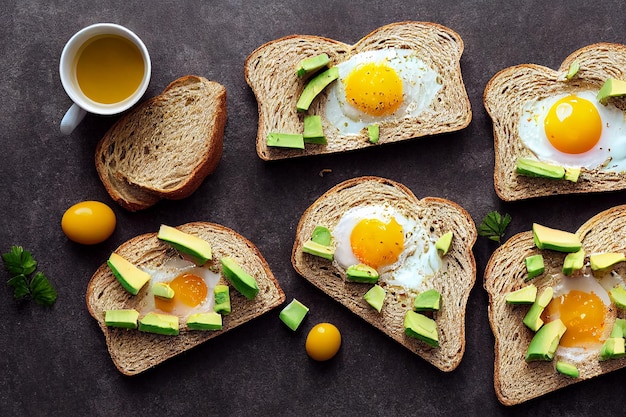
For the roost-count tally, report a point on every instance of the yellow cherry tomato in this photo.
(323, 342)
(88, 222)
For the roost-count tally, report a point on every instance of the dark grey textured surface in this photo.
(54, 361)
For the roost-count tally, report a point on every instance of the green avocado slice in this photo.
(315, 86)
(375, 297)
(205, 321)
(293, 314)
(242, 281)
(198, 249)
(132, 278)
(159, 323)
(421, 327)
(558, 240)
(126, 318)
(545, 342)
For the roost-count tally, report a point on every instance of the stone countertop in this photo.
(55, 360)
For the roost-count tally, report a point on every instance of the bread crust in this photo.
(166, 146)
(510, 88)
(454, 281)
(133, 351)
(515, 380)
(270, 72)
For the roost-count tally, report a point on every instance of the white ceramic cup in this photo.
(67, 70)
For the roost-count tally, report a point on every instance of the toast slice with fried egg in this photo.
(425, 59)
(134, 351)
(512, 98)
(515, 379)
(417, 265)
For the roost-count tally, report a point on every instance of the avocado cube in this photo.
(619, 328)
(315, 86)
(572, 174)
(429, 300)
(534, 266)
(567, 369)
(293, 314)
(532, 319)
(613, 348)
(132, 278)
(375, 297)
(443, 243)
(126, 318)
(373, 132)
(525, 295)
(158, 323)
(204, 321)
(314, 248)
(321, 235)
(573, 69)
(558, 240)
(533, 168)
(603, 261)
(618, 296)
(222, 299)
(362, 273)
(198, 249)
(163, 290)
(545, 342)
(285, 140)
(313, 131)
(242, 281)
(421, 327)
(612, 87)
(573, 262)
(312, 64)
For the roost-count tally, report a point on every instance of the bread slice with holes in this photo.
(508, 91)
(270, 71)
(166, 146)
(453, 280)
(516, 380)
(134, 351)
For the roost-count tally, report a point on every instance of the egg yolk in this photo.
(375, 243)
(573, 125)
(582, 313)
(189, 289)
(88, 222)
(323, 342)
(375, 89)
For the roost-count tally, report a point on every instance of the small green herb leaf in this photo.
(494, 225)
(42, 291)
(21, 265)
(20, 286)
(19, 261)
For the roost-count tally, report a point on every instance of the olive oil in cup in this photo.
(105, 69)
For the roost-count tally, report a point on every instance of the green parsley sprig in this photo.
(21, 265)
(494, 226)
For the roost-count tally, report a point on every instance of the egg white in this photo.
(610, 149)
(418, 261)
(420, 85)
(587, 283)
(166, 273)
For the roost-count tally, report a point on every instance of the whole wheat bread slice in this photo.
(515, 380)
(454, 281)
(270, 71)
(166, 146)
(133, 351)
(504, 97)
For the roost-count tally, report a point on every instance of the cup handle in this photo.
(72, 118)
